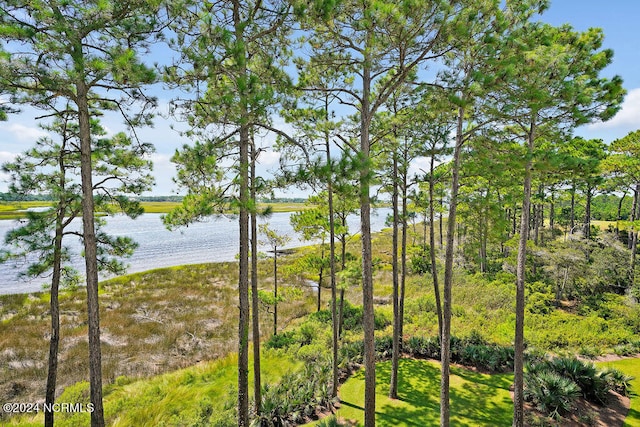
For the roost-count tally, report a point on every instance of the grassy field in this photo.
(630, 367)
(476, 399)
(190, 396)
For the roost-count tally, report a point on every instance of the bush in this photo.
(540, 303)
(384, 347)
(352, 318)
(330, 421)
(352, 352)
(281, 340)
(592, 383)
(423, 347)
(297, 398)
(547, 383)
(323, 316)
(420, 262)
(551, 393)
(618, 381)
(487, 357)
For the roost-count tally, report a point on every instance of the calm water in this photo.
(212, 241)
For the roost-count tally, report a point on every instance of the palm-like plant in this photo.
(550, 392)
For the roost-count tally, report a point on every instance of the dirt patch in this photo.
(586, 414)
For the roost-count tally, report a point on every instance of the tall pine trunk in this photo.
(275, 290)
(255, 314)
(243, 283)
(445, 338)
(619, 214)
(90, 254)
(518, 365)
(634, 237)
(395, 353)
(332, 263)
(243, 219)
(403, 248)
(572, 219)
(365, 229)
(587, 213)
(432, 246)
(54, 341)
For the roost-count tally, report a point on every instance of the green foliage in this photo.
(282, 340)
(540, 303)
(423, 347)
(420, 263)
(550, 392)
(592, 383)
(553, 385)
(352, 317)
(618, 380)
(297, 397)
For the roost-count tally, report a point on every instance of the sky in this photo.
(617, 18)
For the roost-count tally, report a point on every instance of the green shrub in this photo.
(487, 357)
(352, 318)
(330, 421)
(281, 340)
(312, 352)
(618, 381)
(420, 261)
(323, 316)
(297, 397)
(352, 352)
(384, 347)
(540, 303)
(423, 347)
(308, 331)
(592, 383)
(551, 393)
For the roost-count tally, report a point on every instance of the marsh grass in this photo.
(15, 210)
(151, 323)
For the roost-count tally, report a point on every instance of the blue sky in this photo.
(618, 19)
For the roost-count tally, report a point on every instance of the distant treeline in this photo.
(283, 200)
(14, 197)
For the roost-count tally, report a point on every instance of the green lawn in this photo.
(630, 367)
(188, 396)
(476, 399)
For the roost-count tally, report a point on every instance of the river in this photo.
(215, 240)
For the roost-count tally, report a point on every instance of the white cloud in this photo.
(5, 157)
(269, 158)
(627, 119)
(163, 171)
(23, 133)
